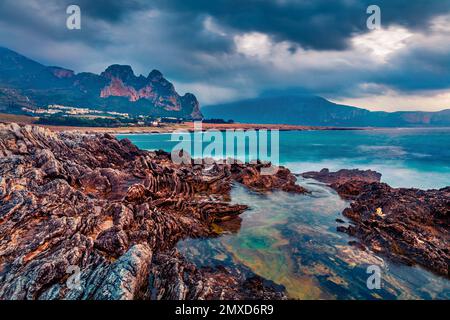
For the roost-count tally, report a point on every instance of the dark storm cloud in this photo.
(48, 20)
(189, 33)
(110, 10)
(420, 69)
(172, 35)
(316, 24)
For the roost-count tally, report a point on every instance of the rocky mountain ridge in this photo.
(26, 83)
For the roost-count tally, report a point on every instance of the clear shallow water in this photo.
(406, 157)
(292, 239)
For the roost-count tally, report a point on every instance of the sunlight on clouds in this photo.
(383, 42)
(253, 44)
(224, 57)
(441, 24)
(394, 101)
(212, 27)
(260, 47)
(373, 47)
(369, 52)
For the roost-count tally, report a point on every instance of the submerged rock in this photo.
(408, 225)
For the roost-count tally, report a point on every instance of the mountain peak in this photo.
(116, 89)
(190, 102)
(155, 75)
(123, 72)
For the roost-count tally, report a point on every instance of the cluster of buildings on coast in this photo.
(54, 110)
(58, 109)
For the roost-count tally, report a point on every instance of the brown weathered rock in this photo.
(408, 225)
(251, 177)
(113, 211)
(347, 183)
(174, 278)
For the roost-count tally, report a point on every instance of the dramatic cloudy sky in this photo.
(223, 50)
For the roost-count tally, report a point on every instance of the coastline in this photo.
(118, 204)
(189, 127)
(167, 127)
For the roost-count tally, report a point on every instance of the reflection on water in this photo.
(292, 240)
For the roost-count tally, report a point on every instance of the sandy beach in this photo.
(166, 127)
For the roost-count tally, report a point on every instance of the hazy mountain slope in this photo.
(313, 110)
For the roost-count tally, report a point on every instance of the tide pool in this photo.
(292, 239)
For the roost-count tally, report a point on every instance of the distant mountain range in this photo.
(25, 83)
(312, 110)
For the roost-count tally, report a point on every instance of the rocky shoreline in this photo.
(114, 213)
(167, 127)
(410, 226)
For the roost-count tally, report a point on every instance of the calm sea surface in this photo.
(292, 239)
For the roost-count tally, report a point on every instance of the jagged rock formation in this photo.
(347, 183)
(344, 175)
(408, 225)
(208, 283)
(155, 88)
(27, 83)
(115, 212)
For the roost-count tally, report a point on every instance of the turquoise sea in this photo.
(292, 239)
